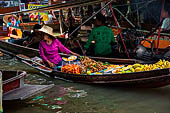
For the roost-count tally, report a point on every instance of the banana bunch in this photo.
(161, 64)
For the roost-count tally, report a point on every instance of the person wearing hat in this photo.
(13, 22)
(103, 37)
(49, 48)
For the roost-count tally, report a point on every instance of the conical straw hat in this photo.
(47, 30)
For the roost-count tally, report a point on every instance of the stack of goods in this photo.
(162, 64)
(90, 66)
(70, 66)
(85, 65)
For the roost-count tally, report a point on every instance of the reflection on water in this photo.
(75, 97)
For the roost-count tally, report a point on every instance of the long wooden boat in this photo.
(148, 79)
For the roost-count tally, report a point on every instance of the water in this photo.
(75, 97)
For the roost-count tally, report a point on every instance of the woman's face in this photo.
(46, 37)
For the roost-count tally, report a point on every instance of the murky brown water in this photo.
(74, 97)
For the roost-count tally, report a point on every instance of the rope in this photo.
(125, 18)
(113, 14)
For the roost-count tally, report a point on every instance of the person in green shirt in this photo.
(103, 37)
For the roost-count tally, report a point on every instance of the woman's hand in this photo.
(52, 65)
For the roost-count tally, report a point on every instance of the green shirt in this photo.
(103, 36)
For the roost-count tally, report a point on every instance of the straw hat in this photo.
(47, 30)
(5, 18)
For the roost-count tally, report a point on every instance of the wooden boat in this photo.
(12, 80)
(14, 87)
(156, 78)
(148, 79)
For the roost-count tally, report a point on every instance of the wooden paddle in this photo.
(26, 58)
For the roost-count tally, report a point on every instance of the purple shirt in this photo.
(50, 52)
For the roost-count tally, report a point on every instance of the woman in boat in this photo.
(103, 37)
(49, 48)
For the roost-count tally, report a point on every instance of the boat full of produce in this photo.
(87, 70)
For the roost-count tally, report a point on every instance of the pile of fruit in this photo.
(87, 64)
(162, 64)
(71, 69)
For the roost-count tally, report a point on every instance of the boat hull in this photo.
(148, 79)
